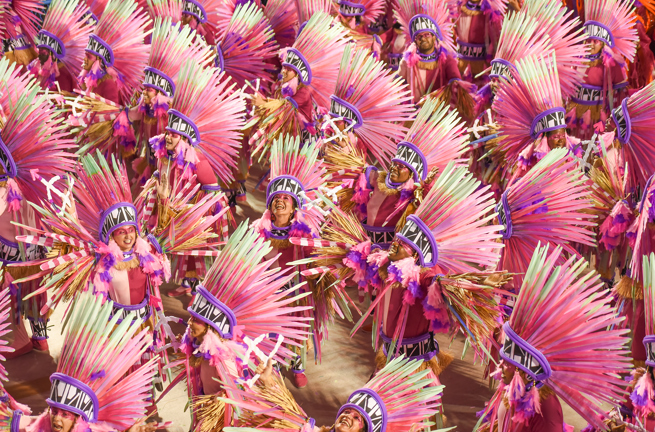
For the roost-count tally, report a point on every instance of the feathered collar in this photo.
(184, 155)
(213, 348)
(279, 237)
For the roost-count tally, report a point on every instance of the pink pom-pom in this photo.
(379, 258)
(435, 296)
(411, 57)
(263, 225)
(642, 396)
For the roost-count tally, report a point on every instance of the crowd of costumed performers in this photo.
(430, 170)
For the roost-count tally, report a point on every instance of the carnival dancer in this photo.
(382, 200)
(369, 107)
(612, 38)
(358, 16)
(531, 126)
(641, 402)
(115, 53)
(309, 73)
(547, 358)
(429, 64)
(203, 16)
(477, 27)
(631, 128)
(630, 292)
(430, 280)
(247, 54)
(240, 299)
(200, 146)
(104, 221)
(33, 144)
(549, 205)
(93, 388)
(396, 399)
(61, 43)
(20, 23)
(296, 176)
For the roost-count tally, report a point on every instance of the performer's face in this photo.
(89, 59)
(399, 250)
(508, 372)
(282, 208)
(288, 74)
(125, 237)
(172, 140)
(148, 95)
(62, 420)
(595, 46)
(556, 138)
(197, 328)
(425, 42)
(44, 55)
(399, 173)
(349, 421)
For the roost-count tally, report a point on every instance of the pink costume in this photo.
(63, 36)
(610, 22)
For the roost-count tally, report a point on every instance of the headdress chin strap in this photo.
(371, 406)
(73, 395)
(524, 356)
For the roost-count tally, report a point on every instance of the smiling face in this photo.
(399, 173)
(425, 42)
(44, 55)
(148, 94)
(350, 420)
(62, 420)
(288, 74)
(172, 140)
(89, 59)
(125, 237)
(595, 46)
(556, 138)
(197, 328)
(282, 208)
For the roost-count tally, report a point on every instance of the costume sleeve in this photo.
(66, 81)
(107, 89)
(304, 101)
(451, 68)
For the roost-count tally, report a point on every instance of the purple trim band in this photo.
(155, 243)
(619, 86)
(192, 7)
(7, 162)
(412, 157)
(279, 233)
(599, 31)
(213, 308)
(388, 183)
(549, 120)
(219, 60)
(356, 401)
(158, 80)
(411, 341)
(47, 40)
(529, 349)
(122, 218)
(420, 232)
(100, 48)
(64, 387)
(421, 23)
(621, 118)
(350, 9)
(130, 308)
(211, 188)
(649, 344)
(292, 186)
(470, 51)
(341, 108)
(296, 61)
(15, 421)
(645, 197)
(183, 125)
(292, 101)
(505, 215)
(373, 228)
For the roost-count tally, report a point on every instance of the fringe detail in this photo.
(210, 413)
(127, 265)
(629, 289)
(382, 186)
